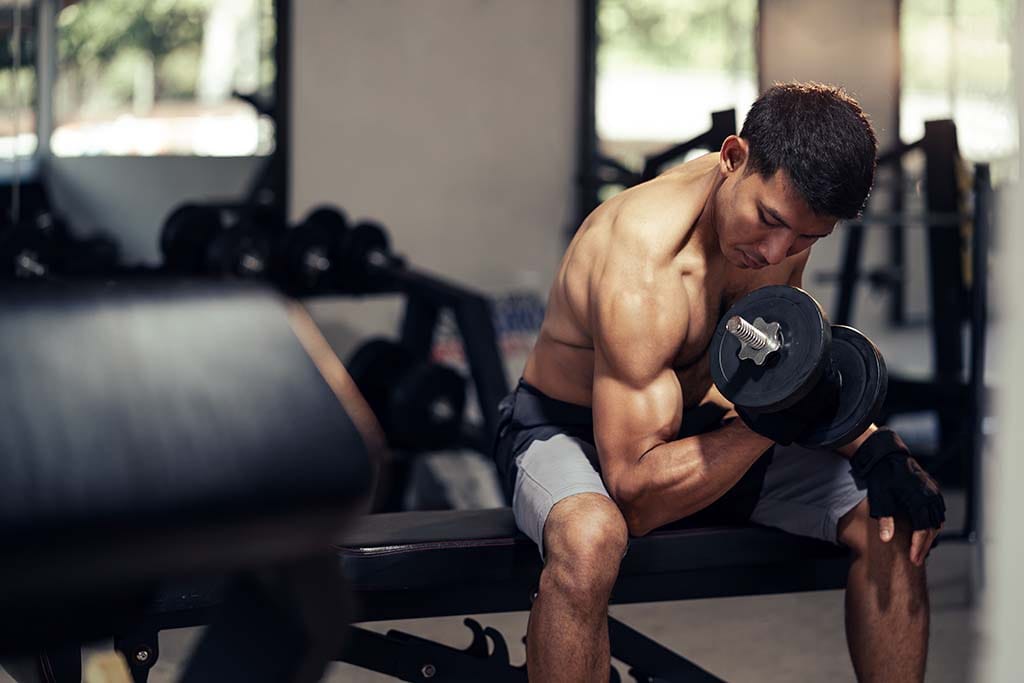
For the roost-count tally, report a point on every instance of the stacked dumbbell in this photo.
(418, 402)
(28, 247)
(222, 239)
(39, 245)
(791, 375)
(325, 253)
(322, 254)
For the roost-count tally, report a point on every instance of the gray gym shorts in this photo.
(803, 491)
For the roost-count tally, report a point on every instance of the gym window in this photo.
(957, 63)
(144, 78)
(17, 81)
(663, 66)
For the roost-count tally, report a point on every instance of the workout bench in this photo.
(409, 565)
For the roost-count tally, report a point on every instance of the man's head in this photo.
(804, 159)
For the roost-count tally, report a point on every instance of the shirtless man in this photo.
(593, 446)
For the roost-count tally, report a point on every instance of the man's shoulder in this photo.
(658, 213)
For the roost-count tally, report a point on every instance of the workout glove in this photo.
(896, 483)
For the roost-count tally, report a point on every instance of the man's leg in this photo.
(585, 537)
(886, 601)
(811, 493)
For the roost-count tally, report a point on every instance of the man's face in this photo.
(762, 221)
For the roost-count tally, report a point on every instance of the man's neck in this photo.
(706, 226)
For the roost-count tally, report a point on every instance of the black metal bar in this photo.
(979, 329)
(897, 248)
(479, 340)
(897, 256)
(848, 273)
(897, 151)
(723, 124)
(649, 659)
(611, 171)
(586, 141)
(418, 325)
(942, 195)
(404, 279)
(280, 161)
(411, 658)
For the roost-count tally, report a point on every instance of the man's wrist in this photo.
(882, 444)
(850, 449)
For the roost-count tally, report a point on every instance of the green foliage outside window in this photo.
(710, 35)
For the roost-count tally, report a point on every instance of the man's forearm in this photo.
(679, 478)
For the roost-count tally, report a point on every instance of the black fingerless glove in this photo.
(896, 483)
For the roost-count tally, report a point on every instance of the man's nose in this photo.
(775, 249)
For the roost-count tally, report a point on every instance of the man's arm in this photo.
(921, 539)
(639, 322)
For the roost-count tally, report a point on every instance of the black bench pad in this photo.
(419, 564)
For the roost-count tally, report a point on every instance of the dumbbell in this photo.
(242, 248)
(227, 239)
(307, 255)
(419, 403)
(28, 248)
(775, 356)
(367, 264)
(323, 253)
(187, 234)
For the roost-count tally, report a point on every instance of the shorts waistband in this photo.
(534, 408)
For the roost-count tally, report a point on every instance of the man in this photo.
(607, 434)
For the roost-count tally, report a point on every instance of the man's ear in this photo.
(733, 155)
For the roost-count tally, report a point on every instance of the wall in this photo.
(452, 122)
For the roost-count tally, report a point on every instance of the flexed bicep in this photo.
(637, 400)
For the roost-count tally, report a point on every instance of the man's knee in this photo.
(585, 537)
(859, 532)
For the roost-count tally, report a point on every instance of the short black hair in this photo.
(821, 138)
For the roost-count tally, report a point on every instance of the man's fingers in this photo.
(932, 534)
(918, 543)
(886, 528)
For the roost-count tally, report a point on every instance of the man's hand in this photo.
(897, 484)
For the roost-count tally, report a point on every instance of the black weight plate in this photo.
(26, 241)
(328, 217)
(307, 257)
(427, 407)
(789, 374)
(186, 236)
(864, 384)
(357, 277)
(243, 251)
(376, 367)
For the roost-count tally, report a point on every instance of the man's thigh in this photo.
(550, 471)
(806, 492)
